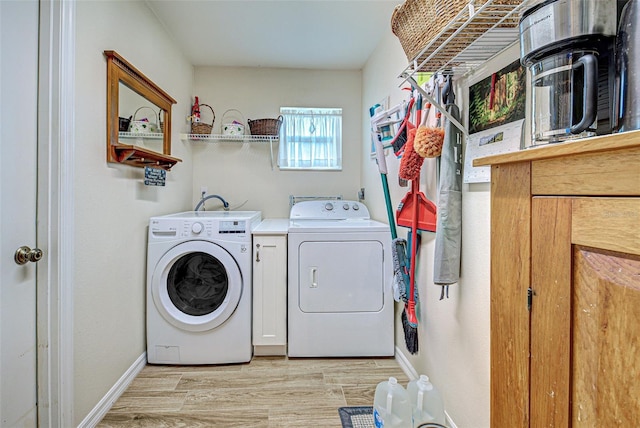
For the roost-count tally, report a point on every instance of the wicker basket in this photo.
(202, 128)
(417, 22)
(270, 127)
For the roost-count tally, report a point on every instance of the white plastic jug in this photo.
(426, 402)
(391, 406)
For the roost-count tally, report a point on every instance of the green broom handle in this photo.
(387, 200)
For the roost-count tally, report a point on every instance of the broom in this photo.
(410, 166)
(409, 318)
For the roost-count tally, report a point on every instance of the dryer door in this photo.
(196, 285)
(341, 276)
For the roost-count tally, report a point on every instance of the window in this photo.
(311, 138)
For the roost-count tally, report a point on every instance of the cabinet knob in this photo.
(25, 255)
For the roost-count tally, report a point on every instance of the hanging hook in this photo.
(447, 93)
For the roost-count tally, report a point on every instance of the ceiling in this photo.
(307, 34)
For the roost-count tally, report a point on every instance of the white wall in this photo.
(242, 172)
(112, 206)
(454, 334)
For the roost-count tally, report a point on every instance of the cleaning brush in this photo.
(399, 141)
(429, 140)
(411, 162)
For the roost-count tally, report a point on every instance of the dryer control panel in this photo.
(329, 210)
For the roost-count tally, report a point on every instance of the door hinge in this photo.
(530, 294)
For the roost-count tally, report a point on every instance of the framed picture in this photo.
(499, 99)
(496, 118)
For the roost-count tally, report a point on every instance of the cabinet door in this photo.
(269, 290)
(606, 312)
(585, 318)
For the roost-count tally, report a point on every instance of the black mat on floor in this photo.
(356, 417)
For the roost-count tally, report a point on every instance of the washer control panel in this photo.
(329, 210)
(232, 226)
(235, 226)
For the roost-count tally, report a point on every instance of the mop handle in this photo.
(415, 184)
(387, 199)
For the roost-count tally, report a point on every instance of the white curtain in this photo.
(311, 138)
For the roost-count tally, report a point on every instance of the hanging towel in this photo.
(448, 245)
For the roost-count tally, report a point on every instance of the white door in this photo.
(18, 179)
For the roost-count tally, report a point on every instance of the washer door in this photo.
(196, 285)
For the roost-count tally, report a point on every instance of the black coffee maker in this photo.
(568, 46)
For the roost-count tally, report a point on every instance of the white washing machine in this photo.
(199, 287)
(340, 301)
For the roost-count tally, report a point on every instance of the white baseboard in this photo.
(114, 393)
(405, 365)
(412, 374)
(449, 421)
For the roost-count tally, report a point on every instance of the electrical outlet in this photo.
(203, 190)
(361, 194)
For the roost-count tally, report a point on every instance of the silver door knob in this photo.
(25, 254)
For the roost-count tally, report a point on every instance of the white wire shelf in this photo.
(146, 135)
(473, 37)
(239, 139)
(216, 138)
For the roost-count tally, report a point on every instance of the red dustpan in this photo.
(426, 210)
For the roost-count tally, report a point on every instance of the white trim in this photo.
(449, 421)
(405, 365)
(114, 393)
(56, 131)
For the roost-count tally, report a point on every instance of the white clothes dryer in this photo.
(340, 301)
(199, 287)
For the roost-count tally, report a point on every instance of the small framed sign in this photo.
(154, 176)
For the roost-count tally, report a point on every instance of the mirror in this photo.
(138, 117)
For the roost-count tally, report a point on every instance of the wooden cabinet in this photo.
(270, 293)
(565, 284)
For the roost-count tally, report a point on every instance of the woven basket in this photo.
(202, 128)
(417, 22)
(270, 127)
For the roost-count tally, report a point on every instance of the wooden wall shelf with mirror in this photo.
(131, 96)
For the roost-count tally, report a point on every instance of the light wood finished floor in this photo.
(267, 392)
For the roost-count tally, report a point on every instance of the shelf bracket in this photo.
(433, 101)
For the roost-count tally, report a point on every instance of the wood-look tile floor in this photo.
(266, 392)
